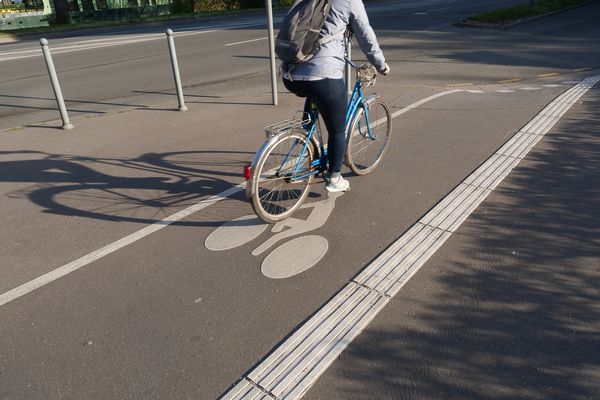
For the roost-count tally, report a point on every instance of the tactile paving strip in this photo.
(297, 362)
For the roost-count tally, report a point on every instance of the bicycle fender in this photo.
(260, 151)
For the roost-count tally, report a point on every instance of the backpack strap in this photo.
(330, 38)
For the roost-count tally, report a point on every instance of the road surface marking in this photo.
(510, 80)
(294, 366)
(438, 9)
(111, 248)
(459, 84)
(549, 74)
(423, 101)
(247, 41)
(134, 237)
(123, 40)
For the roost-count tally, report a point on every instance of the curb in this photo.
(505, 25)
(8, 38)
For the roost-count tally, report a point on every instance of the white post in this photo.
(175, 65)
(272, 51)
(55, 85)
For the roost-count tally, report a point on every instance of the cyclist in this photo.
(322, 78)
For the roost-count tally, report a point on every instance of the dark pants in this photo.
(332, 101)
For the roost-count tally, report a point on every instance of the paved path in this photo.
(508, 308)
(109, 291)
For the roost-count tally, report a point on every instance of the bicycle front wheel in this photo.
(369, 137)
(282, 177)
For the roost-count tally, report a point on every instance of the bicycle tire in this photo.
(286, 196)
(364, 152)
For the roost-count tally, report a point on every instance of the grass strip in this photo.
(518, 12)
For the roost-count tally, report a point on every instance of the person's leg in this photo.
(332, 101)
(300, 89)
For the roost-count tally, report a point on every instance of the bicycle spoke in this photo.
(278, 191)
(369, 138)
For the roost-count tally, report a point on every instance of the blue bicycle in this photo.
(279, 178)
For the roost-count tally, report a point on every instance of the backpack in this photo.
(298, 38)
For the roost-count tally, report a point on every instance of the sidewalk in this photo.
(508, 308)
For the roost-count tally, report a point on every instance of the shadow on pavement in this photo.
(144, 190)
(509, 308)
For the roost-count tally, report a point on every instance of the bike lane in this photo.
(508, 307)
(167, 317)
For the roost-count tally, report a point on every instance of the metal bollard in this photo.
(272, 52)
(182, 106)
(55, 85)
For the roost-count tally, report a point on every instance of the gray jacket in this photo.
(329, 61)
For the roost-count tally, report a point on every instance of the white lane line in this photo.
(439, 9)
(294, 366)
(89, 46)
(119, 244)
(82, 43)
(123, 40)
(111, 248)
(246, 41)
(423, 101)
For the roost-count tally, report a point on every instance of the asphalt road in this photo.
(163, 316)
(116, 69)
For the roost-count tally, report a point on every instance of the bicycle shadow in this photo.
(145, 189)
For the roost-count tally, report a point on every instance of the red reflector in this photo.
(248, 172)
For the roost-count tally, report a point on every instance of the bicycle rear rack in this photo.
(299, 121)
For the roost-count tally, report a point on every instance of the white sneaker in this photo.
(337, 184)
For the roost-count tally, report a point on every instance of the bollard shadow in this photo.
(510, 309)
(175, 94)
(50, 108)
(208, 98)
(144, 190)
(253, 57)
(234, 103)
(41, 126)
(104, 103)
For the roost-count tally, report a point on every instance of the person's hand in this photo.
(385, 70)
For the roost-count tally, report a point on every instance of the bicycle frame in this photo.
(356, 100)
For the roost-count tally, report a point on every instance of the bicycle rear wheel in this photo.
(282, 177)
(369, 137)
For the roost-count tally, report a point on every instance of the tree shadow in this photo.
(145, 190)
(510, 307)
